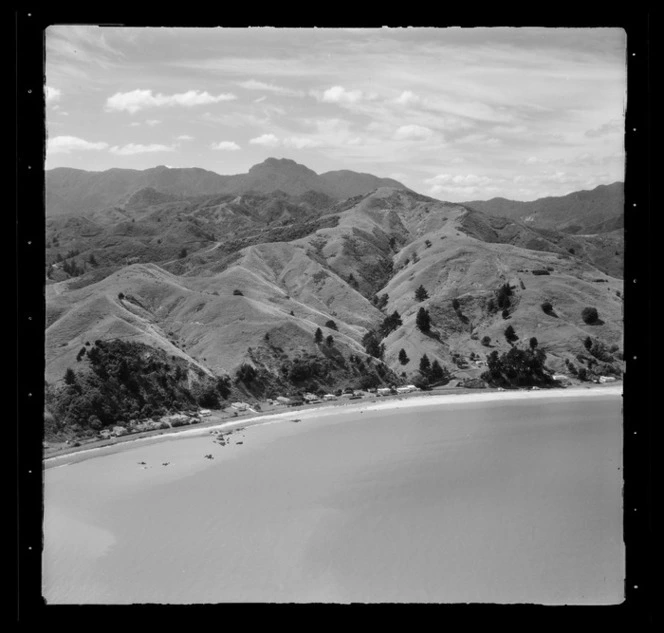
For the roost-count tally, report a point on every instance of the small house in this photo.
(406, 389)
(283, 400)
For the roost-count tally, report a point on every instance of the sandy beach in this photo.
(498, 497)
(417, 399)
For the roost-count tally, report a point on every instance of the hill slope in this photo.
(257, 275)
(582, 212)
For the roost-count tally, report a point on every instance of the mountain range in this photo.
(78, 191)
(224, 272)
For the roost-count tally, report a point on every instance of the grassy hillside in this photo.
(282, 294)
(581, 212)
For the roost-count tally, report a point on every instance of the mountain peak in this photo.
(281, 164)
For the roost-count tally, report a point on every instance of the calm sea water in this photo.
(504, 502)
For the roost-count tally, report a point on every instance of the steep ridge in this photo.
(580, 212)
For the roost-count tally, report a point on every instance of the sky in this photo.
(456, 114)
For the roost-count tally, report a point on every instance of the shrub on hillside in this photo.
(421, 294)
(423, 320)
(331, 324)
(486, 341)
(372, 345)
(547, 308)
(380, 302)
(510, 334)
(503, 297)
(389, 324)
(238, 293)
(245, 373)
(589, 315)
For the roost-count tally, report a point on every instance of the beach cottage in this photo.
(406, 389)
(283, 400)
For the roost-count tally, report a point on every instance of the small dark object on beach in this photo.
(165, 463)
(296, 420)
(141, 463)
(240, 442)
(209, 456)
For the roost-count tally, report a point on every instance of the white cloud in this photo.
(413, 132)
(338, 94)
(227, 146)
(615, 126)
(185, 137)
(268, 140)
(460, 185)
(134, 148)
(252, 84)
(137, 100)
(407, 98)
(52, 94)
(66, 144)
(153, 122)
(301, 142)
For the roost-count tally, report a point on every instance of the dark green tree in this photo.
(403, 357)
(246, 374)
(503, 297)
(70, 377)
(423, 320)
(589, 315)
(372, 345)
(486, 341)
(318, 336)
(425, 365)
(390, 323)
(510, 334)
(331, 324)
(421, 294)
(438, 373)
(330, 340)
(183, 253)
(533, 343)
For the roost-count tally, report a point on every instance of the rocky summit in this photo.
(282, 281)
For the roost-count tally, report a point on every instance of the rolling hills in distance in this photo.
(220, 272)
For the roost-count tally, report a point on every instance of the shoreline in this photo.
(413, 400)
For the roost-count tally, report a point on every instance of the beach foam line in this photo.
(411, 402)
